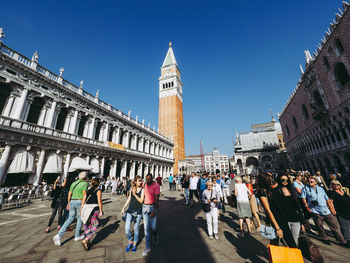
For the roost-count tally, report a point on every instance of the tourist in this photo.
(341, 201)
(225, 185)
(133, 213)
(59, 204)
(123, 185)
(159, 181)
(193, 187)
(202, 184)
(211, 196)
(114, 186)
(185, 187)
(170, 178)
(317, 202)
(243, 207)
(75, 196)
(128, 186)
(150, 212)
(92, 197)
(252, 202)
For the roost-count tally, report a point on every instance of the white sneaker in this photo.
(146, 251)
(216, 236)
(210, 237)
(79, 238)
(57, 240)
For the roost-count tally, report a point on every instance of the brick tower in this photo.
(171, 122)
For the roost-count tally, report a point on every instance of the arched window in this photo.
(287, 128)
(82, 123)
(163, 86)
(166, 85)
(318, 99)
(326, 63)
(295, 123)
(341, 74)
(339, 49)
(172, 83)
(35, 109)
(4, 95)
(305, 113)
(61, 119)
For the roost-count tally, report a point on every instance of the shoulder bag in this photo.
(206, 207)
(87, 209)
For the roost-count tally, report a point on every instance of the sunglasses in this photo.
(284, 180)
(310, 182)
(336, 184)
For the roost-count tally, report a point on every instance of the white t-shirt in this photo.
(242, 193)
(217, 187)
(193, 183)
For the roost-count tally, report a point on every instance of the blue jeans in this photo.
(74, 211)
(150, 224)
(128, 221)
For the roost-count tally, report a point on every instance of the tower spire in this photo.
(170, 57)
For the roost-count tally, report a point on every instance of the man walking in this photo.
(150, 212)
(193, 187)
(75, 197)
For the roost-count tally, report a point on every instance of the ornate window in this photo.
(339, 49)
(341, 75)
(305, 113)
(326, 63)
(295, 124)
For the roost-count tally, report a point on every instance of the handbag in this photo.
(309, 249)
(206, 207)
(279, 254)
(87, 209)
(268, 232)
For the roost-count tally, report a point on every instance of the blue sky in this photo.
(238, 58)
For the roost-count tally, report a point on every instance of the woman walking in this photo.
(186, 188)
(252, 202)
(243, 207)
(133, 213)
(93, 196)
(211, 197)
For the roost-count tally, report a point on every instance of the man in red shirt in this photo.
(159, 180)
(150, 212)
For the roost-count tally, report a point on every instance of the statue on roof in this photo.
(2, 33)
(35, 57)
(61, 71)
(97, 93)
(81, 84)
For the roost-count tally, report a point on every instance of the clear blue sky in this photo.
(238, 58)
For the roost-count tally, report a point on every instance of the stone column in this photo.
(43, 115)
(3, 163)
(66, 166)
(106, 131)
(123, 171)
(132, 170)
(156, 171)
(20, 105)
(51, 114)
(114, 169)
(146, 169)
(127, 140)
(9, 104)
(139, 170)
(73, 124)
(92, 128)
(102, 167)
(39, 168)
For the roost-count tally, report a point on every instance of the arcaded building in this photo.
(47, 123)
(315, 119)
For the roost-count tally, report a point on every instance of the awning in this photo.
(23, 162)
(79, 163)
(53, 164)
(95, 166)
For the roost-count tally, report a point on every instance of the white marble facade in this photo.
(46, 122)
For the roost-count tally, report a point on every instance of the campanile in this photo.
(171, 122)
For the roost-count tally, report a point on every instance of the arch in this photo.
(252, 164)
(341, 74)
(110, 133)
(172, 83)
(305, 112)
(35, 110)
(5, 91)
(82, 123)
(295, 123)
(98, 130)
(95, 164)
(163, 86)
(53, 164)
(21, 168)
(339, 49)
(61, 119)
(326, 63)
(318, 99)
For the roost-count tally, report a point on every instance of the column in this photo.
(114, 169)
(156, 171)
(127, 140)
(139, 170)
(102, 167)
(132, 170)
(73, 124)
(116, 135)
(43, 115)
(142, 141)
(9, 105)
(123, 171)
(39, 168)
(146, 170)
(20, 104)
(106, 131)
(50, 115)
(91, 130)
(3, 163)
(66, 166)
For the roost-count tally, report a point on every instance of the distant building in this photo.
(260, 149)
(215, 162)
(315, 119)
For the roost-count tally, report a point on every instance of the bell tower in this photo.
(171, 122)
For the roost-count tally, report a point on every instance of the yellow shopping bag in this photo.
(285, 255)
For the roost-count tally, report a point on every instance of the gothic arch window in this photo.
(172, 83)
(166, 85)
(61, 119)
(326, 63)
(305, 113)
(287, 128)
(163, 86)
(295, 123)
(318, 99)
(98, 130)
(35, 109)
(339, 49)
(341, 74)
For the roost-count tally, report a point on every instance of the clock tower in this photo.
(171, 122)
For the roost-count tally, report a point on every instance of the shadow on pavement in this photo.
(105, 231)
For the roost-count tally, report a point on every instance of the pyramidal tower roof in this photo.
(169, 58)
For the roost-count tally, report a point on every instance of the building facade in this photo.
(46, 123)
(260, 149)
(171, 122)
(216, 163)
(315, 119)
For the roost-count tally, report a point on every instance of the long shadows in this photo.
(105, 230)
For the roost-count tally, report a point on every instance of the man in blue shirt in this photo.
(202, 183)
(171, 178)
(317, 202)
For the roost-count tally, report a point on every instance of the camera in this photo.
(213, 200)
(314, 202)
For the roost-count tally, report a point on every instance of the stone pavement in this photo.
(182, 232)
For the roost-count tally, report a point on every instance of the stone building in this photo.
(216, 162)
(47, 123)
(315, 119)
(260, 149)
(171, 123)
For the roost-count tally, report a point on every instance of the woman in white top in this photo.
(243, 207)
(210, 196)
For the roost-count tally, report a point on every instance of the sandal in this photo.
(47, 230)
(85, 244)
